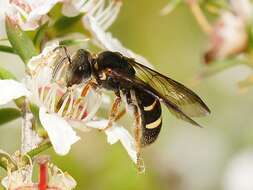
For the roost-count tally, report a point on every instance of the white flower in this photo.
(17, 179)
(53, 177)
(74, 7)
(3, 7)
(115, 134)
(30, 14)
(229, 36)
(239, 172)
(58, 106)
(58, 179)
(242, 8)
(99, 20)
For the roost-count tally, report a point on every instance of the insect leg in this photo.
(114, 111)
(59, 64)
(65, 50)
(120, 115)
(138, 136)
(86, 89)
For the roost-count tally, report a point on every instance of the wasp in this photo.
(142, 88)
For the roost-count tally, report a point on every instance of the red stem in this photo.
(43, 177)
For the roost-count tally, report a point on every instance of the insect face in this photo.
(80, 68)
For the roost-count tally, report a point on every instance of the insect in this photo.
(142, 88)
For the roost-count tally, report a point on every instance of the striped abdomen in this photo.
(151, 116)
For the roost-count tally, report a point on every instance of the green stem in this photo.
(7, 49)
(42, 147)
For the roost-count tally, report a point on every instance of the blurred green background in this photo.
(184, 157)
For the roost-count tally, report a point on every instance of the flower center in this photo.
(67, 104)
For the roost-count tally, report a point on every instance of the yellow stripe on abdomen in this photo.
(154, 124)
(149, 108)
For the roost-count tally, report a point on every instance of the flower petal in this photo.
(119, 133)
(4, 4)
(243, 8)
(11, 89)
(18, 178)
(37, 15)
(115, 134)
(47, 56)
(229, 37)
(105, 40)
(61, 180)
(61, 134)
(97, 124)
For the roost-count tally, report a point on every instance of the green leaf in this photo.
(8, 114)
(66, 22)
(7, 49)
(5, 74)
(42, 147)
(39, 128)
(72, 42)
(40, 35)
(19, 40)
(67, 25)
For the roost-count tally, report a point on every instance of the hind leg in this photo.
(138, 137)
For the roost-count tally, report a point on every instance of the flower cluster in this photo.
(229, 37)
(52, 110)
(50, 176)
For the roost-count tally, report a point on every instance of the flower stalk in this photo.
(30, 139)
(43, 165)
(199, 16)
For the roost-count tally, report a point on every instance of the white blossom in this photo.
(229, 36)
(59, 179)
(99, 20)
(17, 179)
(243, 8)
(59, 106)
(56, 179)
(30, 14)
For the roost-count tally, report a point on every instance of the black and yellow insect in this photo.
(142, 88)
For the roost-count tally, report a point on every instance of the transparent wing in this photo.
(137, 83)
(171, 91)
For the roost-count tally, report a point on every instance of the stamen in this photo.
(105, 12)
(42, 93)
(76, 109)
(36, 89)
(52, 106)
(97, 8)
(82, 113)
(70, 104)
(57, 69)
(61, 110)
(48, 97)
(87, 5)
(110, 18)
(93, 111)
(59, 73)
